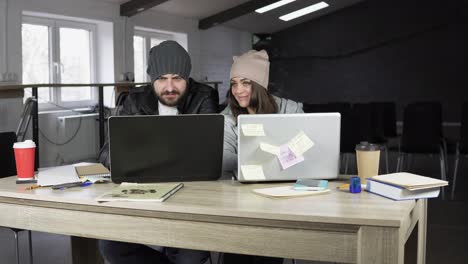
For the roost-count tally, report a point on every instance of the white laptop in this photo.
(257, 161)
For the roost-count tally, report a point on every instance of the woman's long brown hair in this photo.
(260, 100)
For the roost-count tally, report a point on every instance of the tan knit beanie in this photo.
(253, 65)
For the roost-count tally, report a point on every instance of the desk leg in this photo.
(422, 229)
(380, 245)
(85, 251)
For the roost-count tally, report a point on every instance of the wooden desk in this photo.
(226, 216)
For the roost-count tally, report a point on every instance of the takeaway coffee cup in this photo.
(368, 157)
(24, 156)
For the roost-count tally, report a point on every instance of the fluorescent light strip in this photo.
(273, 6)
(304, 11)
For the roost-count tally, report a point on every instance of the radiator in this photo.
(85, 144)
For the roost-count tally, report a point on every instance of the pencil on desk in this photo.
(32, 187)
(343, 187)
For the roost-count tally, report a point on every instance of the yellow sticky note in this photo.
(253, 130)
(253, 172)
(275, 150)
(300, 144)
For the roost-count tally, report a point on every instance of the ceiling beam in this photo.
(134, 7)
(232, 13)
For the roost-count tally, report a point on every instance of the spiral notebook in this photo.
(93, 171)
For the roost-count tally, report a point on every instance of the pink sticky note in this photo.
(287, 158)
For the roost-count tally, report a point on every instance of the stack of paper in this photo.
(93, 172)
(410, 181)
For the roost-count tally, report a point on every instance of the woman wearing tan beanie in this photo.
(248, 94)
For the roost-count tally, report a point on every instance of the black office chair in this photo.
(365, 128)
(348, 135)
(312, 108)
(383, 124)
(462, 145)
(119, 102)
(422, 134)
(389, 124)
(217, 100)
(8, 168)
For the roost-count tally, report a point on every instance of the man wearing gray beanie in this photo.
(171, 92)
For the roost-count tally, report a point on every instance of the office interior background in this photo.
(353, 51)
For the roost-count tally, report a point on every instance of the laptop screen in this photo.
(285, 147)
(166, 148)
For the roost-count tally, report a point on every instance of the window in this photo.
(143, 41)
(59, 51)
(36, 60)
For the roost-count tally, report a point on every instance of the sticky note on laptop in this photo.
(253, 172)
(287, 158)
(275, 150)
(300, 144)
(253, 130)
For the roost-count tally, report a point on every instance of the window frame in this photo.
(54, 25)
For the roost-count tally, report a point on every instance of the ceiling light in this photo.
(273, 6)
(304, 11)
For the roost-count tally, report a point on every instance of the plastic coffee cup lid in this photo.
(25, 144)
(366, 146)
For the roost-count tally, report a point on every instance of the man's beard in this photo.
(170, 102)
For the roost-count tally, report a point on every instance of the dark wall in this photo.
(381, 50)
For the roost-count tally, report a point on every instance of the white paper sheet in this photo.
(57, 175)
(286, 191)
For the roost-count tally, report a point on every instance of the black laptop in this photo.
(166, 148)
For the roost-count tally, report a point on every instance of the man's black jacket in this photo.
(198, 99)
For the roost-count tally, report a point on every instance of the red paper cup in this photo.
(24, 156)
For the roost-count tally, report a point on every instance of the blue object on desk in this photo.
(310, 184)
(84, 184)
(355, 185)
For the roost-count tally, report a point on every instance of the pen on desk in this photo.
(84, 184)
(32, 187)
(66, 185)
(343, 187)
(71, 185)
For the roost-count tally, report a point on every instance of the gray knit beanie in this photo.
(168, 58)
